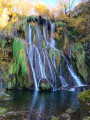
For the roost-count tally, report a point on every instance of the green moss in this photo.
(51, 53)
(12, 69)
(60, 24)
(57, 58)
(19, 67)
(54, 118)
(3, 110)
(45, 86)
(69, 110)
(22, 26)
(84, 96)
(20, 17)
(9, 85)
(9, 28)
(3, 42)
(65, 115)
(86, 118)
(34, 36)
(19, 55)
(32, 18)
(4, 96)
(79, 55)
(5, 76)
(66, 41)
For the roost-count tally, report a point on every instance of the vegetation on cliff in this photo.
(85, 96)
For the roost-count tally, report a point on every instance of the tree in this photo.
(65, 6)
(6, 8)
(53, 12)
(41, 9)
(25, 7)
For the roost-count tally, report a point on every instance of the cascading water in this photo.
(30, 54)
(63, 82)
(45, 34)
(38, 63)
(31, 62)
(38, 36)
(29, 35)
(70, 68)
(52, 41)
(43, 67)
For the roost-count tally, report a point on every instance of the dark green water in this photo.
(46, 104)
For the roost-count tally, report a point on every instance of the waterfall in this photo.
(30, 55)
(73, 74)
(52, 41)
(29, 35)
(52, 29)
(43, 67)
(40, 63)
(31, 62)
(45, 34)
(63, 82)
(38, 37)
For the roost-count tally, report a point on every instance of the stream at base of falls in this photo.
(43, 105)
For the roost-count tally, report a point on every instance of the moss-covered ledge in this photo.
(85, 96)
(4, 96)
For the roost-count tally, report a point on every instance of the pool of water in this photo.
(46, 104)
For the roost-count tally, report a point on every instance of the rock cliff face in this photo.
(53, 69)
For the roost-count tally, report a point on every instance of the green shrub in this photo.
(84, 95)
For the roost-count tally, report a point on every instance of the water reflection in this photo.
(44, 103)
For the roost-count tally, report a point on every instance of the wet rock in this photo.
(54, 118)
(86, 118)
(13, 113)
(69, 110)
(39, 116)
(2, 93)
(7, 99)
(85, 96)
(4, 96)
(65, 115)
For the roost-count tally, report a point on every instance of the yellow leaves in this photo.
(41, 9)
(25, 7)
(6, 8)
(4, 18)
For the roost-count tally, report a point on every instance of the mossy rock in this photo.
(51, 53)
(57, 58)
(19, 55)
(85, 96)
(4, 96)
(45, 86)
(54, 118)
(78, 54)
(69, 110)
(3, 42)
(65, 115)
(3, 110)
(60, 24)
(86, 118)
